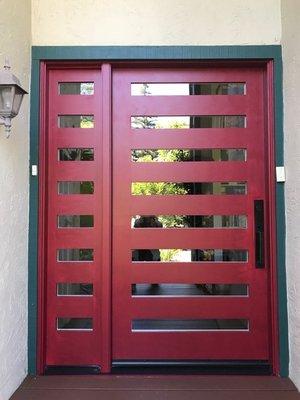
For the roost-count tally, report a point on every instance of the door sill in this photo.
(72, 370)
(203, 367)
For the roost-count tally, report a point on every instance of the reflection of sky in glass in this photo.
(186, 89)
(161, 89)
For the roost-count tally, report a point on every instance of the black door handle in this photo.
(259, 233)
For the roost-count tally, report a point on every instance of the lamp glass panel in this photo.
(6, 100)
(17, 101)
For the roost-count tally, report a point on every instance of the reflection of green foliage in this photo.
(86, 221)
(174, 125)
(87, 154)
(167, 255)
(86, 254)
(143, 122)
(172, 221)
(87, 121)
(87, 187)
(77, 154)
(87, 88)
(138, 155)
(162, 155)
(157, 188)
(161, 188)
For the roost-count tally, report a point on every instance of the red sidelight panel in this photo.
(74, 193)
(173, 296)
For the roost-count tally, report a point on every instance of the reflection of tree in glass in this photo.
(87, 187)
(180, 124)
(144, 155)
(87, 121)
(86, 254)
(157, 188)
(144, 122)
(76, 155)
(168, 255)
(162, 188)
(145, 90)
(87, 88)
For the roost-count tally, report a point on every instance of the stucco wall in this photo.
(291, 68)
(155, 22)
(15, 44)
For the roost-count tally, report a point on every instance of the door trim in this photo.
(271, 57)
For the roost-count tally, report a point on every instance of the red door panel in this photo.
(147, 326)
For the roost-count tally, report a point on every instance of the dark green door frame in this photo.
(144, 53)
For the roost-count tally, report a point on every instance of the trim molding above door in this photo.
(270, 55)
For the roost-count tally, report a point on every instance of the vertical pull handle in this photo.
(259, 233)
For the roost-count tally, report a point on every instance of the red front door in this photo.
(188, 167)
(178, 159)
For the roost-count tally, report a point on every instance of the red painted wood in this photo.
(188, 238)
(192, 105)
(189, 139)
(204, 171)
(106, 222)
(111, 337)
(188, 345)
(202, 205)
(74, 347)
(193, 272)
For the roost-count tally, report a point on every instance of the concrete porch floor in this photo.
(162, 387)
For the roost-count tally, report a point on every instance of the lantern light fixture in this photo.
(11, 95)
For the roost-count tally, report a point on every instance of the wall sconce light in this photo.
(11, 95)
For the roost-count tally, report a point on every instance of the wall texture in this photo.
(14, 44)
(291, 68)
(155, 22)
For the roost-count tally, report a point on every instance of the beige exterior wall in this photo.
(291, 84)
(155, 22)
(14, 44)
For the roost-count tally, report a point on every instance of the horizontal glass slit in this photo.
(76, 187)
(81, 88)
(185, 325)
(187, 122)
(189, 221)
(68, 255)
(69, 154)
(75, 221)
(188, 188)
(187, 89)
(74, 289)
(76, 121)
(186, 290)
(183, 155)
(189, 255)
(74, 324)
